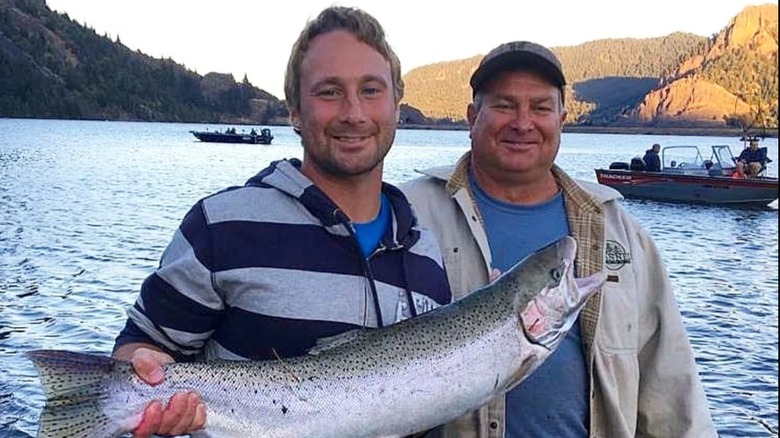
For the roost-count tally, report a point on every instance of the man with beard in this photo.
(306, 249)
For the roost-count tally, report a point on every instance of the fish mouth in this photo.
(548, 317)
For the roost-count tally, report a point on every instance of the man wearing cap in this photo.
(627, 368)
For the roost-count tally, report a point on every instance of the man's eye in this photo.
(328, 92)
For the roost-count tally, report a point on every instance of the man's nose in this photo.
(523, 119)
(352, 109)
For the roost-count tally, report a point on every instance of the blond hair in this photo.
(355, 21)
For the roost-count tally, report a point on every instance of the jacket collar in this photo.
(588, 195)
(285, 175)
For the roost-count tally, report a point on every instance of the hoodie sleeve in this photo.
(179, 307)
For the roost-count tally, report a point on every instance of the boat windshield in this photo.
(721, 155)
(681, 157)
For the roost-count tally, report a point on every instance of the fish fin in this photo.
(331, 342)
(76, 393)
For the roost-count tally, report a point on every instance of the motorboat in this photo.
(686, 176)
(231, 136)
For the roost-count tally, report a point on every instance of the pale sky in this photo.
(254, 37)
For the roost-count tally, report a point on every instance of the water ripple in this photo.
(86, 209)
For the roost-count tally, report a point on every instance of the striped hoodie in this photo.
(267, 268)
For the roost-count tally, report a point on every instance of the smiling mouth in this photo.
(351, 139)
(518, 144)
(520, 140)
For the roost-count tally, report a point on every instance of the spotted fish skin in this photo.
(390, 381)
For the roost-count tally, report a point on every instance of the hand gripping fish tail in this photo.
(392, 381)
(79, 394)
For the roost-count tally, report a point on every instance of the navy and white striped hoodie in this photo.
(266, 269)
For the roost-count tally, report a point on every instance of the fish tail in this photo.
(77, 395)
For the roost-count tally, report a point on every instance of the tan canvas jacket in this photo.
(631, 328)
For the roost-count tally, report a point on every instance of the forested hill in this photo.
(729, 79)
(634, 67)
(53, 67)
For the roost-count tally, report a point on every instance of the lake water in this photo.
(86, 209)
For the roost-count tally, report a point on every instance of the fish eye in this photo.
(556, 274)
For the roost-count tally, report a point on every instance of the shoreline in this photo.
(628, 130)
(699, 131)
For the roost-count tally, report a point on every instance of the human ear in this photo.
(295, 121)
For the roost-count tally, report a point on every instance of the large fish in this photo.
(390, 381)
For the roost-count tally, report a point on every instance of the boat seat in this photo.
(637, 164)
(764, 162)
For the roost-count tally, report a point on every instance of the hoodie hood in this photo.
(285, 175)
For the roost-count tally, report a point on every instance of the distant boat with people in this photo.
(231, 136)
(685, 176)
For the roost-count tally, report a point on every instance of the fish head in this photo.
(554, 297)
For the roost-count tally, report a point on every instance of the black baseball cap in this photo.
(518, 55)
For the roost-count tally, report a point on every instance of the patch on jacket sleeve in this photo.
(616, 256)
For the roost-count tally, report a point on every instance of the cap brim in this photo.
(517, 61)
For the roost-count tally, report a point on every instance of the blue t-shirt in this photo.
(370, 233)
(553, 400)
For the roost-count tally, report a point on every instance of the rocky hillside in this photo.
(53, 67)
(733, 79)
(679, 80)
(604, 77)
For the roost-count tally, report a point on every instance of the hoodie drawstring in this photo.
(409, 298)
(342, 218)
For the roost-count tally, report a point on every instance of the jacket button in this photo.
(494, 425)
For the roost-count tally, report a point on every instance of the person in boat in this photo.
(627, 368)
(652, 158)
(246, 274)
(253, 132)
(751, 160)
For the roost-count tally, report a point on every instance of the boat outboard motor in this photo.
(618, 165)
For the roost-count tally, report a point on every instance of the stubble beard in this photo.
(339, 165)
